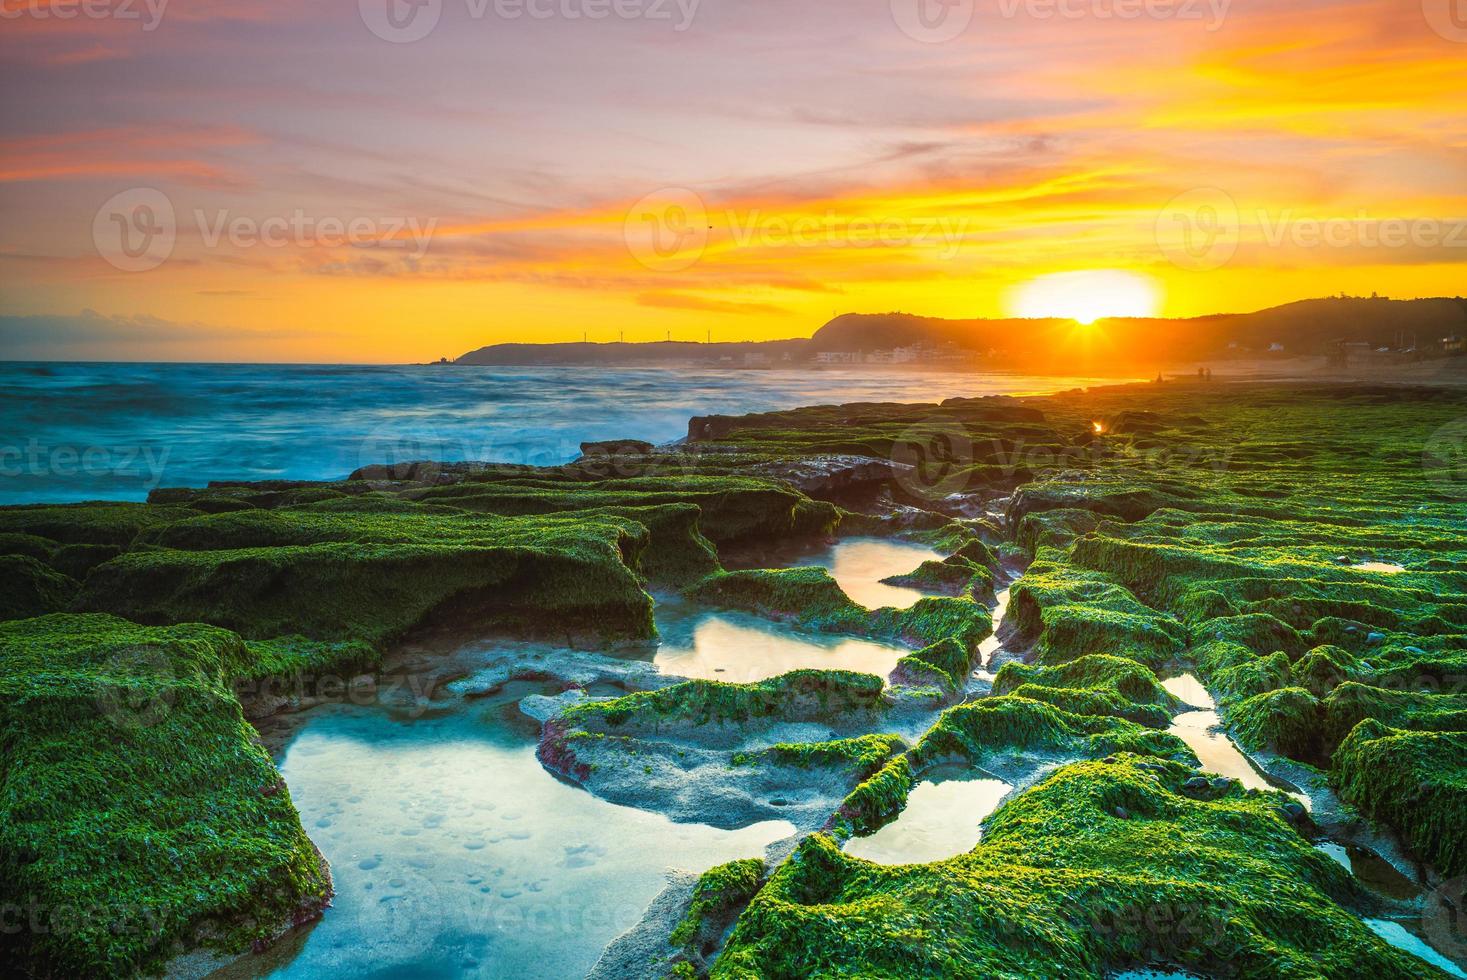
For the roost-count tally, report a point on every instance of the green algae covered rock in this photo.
(720, 893)
(796, 696)
(863, 754)
(550, 580)
(1351, 703)
(1102, 866)
(32, 589)
(975, 729)
(810, 598)
(1286, 721)
(945, 664)
(733, 508)
(1416, 781)
(139, 816)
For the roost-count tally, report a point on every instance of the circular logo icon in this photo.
(400, 21)
(138, 688)
(406, 453)
(933, 459)
(932, 21)
(404, 909)
(135, 230)
(1445, 458)
(1444, 918)
(667, 230)
(1199, 229)
(1448, 18)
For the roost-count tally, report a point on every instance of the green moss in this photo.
(861, 755)
(1062, 887)
(1284, 721)
(568, 579)
(720, 892)
(28, 545)
(137, 810)
(955, 575)
(975, 729)
(1324, 668)
(32, 589)
(1351, 703)
(878, 798)
(732, 508)
(1251, 676)
(809, 597)
(945, 664)
(797, 695)
(1092, 685)
(1072, 612)
(115, 524)
(1415, 781)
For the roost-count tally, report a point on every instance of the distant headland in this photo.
(1342, 330)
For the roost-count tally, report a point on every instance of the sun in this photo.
(1086, 296)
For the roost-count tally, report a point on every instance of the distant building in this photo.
(1453, 344)
(838, 357)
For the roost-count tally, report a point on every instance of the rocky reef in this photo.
(1291, 546)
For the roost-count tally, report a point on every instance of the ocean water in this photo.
(90, 431)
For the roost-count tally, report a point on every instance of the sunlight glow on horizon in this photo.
(1086, 296)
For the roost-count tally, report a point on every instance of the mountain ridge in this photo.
(1313, 327)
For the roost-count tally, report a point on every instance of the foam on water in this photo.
(115, 431)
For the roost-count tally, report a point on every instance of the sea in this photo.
(100, 431)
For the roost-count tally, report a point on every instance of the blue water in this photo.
(115, 431)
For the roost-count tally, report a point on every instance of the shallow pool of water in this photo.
(1188, 689)
(456, 854)
(1385, 567)
(859, 564)
(941, 820)
(992, 644)
(1202, 732)
(1372, 870)
(741, 647)
(1401, 938)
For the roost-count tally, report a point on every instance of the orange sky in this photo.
(292, 186)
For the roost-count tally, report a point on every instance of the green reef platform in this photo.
(1295, 552)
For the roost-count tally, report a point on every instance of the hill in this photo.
(1332, 327)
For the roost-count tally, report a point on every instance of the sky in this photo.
(402, 180)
